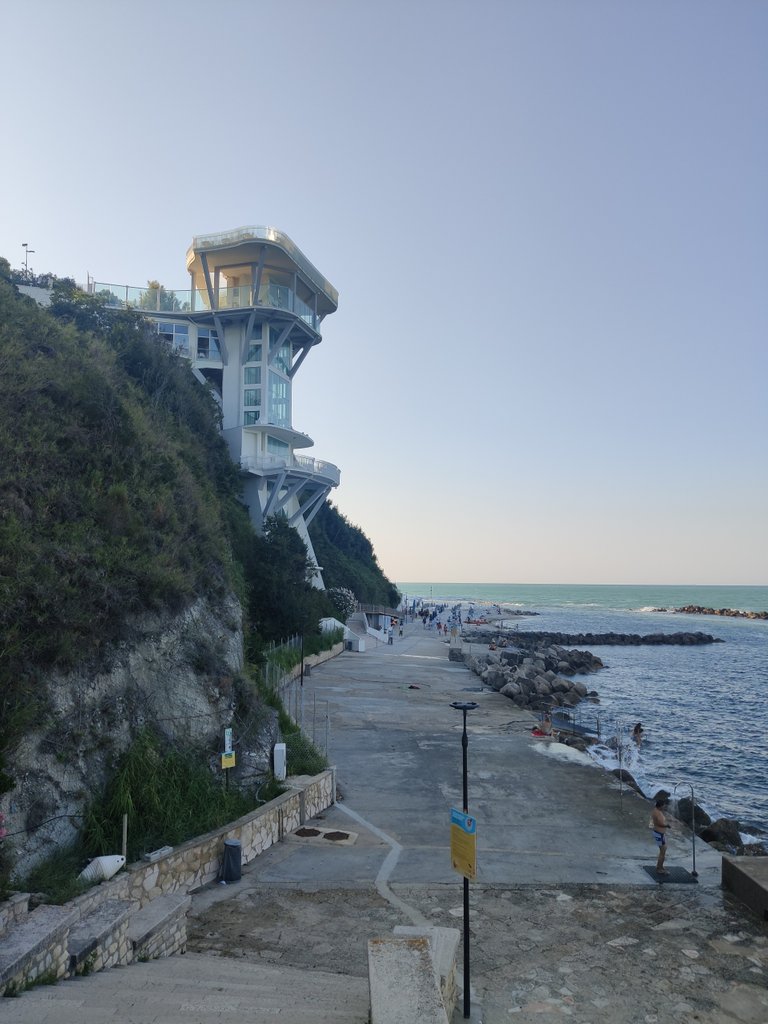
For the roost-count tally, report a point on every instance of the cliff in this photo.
(177, 673)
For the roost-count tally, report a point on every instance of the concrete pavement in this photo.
(565, 921)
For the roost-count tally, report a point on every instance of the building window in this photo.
(252, 396)
(279, 392)
(283, 356)
(207, 344)
(252, 375)
(177, 335)
(250, 417)
(253, 352)
(275, 447)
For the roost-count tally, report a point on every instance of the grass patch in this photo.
(169, 796)
(57, 878)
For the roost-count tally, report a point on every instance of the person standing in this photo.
(660, 826)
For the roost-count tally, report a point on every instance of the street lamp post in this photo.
(27, 251)
(464, 706)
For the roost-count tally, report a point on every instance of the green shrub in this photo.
(169, 796)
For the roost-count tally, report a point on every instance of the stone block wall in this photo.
(100, 930)
(37, 948)
(198, 861)
(13, 911)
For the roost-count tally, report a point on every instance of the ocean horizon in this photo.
(606, 595)
(704, 708)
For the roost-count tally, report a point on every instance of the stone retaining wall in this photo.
(186, 867)
(13, 911)
(315, 659)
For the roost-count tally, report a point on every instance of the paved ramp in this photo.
(195, 989)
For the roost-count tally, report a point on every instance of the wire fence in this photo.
(299, 700)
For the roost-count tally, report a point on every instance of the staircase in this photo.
(195, 989)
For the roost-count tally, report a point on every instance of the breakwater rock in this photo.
(730, 613)
(533, 678)
(518, 638)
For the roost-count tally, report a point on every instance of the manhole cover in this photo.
(336, 836)
(305, 833)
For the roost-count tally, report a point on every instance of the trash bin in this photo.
(231, 864)
(348, 645)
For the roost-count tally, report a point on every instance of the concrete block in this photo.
(747, 879)
(402, 981)
(443, 947)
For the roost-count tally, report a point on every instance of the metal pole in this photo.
(694, 872)
(464, 745)
(464, 707)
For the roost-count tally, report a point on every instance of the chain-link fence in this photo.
(300, 703)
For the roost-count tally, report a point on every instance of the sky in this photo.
(547, 221)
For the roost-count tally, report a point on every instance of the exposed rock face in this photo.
(178, 674)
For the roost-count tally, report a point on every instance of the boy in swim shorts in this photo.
(660, 827)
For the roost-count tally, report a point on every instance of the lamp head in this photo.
(464, 705)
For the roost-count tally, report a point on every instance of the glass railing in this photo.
(317, 467)
(151, 300)
(163, 300)
(267, 234)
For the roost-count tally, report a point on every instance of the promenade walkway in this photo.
(566, 922)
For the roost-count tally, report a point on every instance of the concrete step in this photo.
(195, 989)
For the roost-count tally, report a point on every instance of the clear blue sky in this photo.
(547, 221)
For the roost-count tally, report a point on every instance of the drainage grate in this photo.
(676, 876)
(336, 836)
(305, 833)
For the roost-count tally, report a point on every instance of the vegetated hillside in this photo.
(348, 558)
(118, 498)
(116, 494)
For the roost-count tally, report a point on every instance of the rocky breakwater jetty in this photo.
(531, 668)
(518, 638)
(533, 677)
(730, 613)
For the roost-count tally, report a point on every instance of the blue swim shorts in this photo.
(661, 839)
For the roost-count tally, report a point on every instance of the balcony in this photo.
(193, 300)
(303, 465)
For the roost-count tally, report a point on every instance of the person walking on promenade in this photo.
(660, 827)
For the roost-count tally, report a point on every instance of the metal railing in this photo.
(304, 463)
(194, 300)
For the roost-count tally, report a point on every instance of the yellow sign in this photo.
(463, 843)
(228, 760)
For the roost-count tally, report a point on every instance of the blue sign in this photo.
(464, 821)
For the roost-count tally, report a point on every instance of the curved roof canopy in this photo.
(246, 245)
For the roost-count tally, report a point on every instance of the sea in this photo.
(703, 709)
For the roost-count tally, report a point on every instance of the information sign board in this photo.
(463, 843)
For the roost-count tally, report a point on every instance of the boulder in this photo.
(626, 777)
(511, 690)
(700, 818)
(724, 833)
(495, 677)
